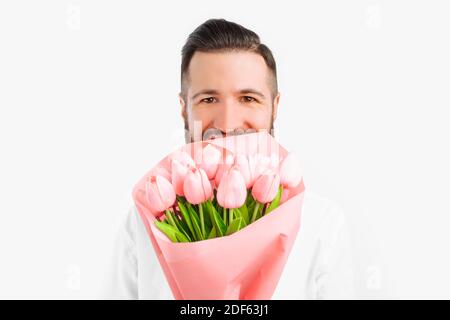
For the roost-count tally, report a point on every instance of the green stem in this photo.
(202, 220)
(255, 211)
(170, 218)
(225, 216)
(231, 215)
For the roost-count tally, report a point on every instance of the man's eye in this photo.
(209, 100)
(248, 99)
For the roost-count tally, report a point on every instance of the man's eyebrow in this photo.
(253, 91)
(205, 91)
(242, 91)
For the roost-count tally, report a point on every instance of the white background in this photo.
(88, 103)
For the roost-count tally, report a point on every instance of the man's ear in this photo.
(183, 105)
(276, 100)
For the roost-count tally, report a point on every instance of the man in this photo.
(229, 86)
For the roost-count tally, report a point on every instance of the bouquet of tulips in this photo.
(218, 203)
(211, 198)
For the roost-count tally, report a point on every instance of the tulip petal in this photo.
(166, 191)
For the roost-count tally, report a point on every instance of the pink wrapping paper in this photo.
(246, 265)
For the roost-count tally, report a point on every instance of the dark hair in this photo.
(223, 35)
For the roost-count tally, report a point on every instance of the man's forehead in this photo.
(230, 71)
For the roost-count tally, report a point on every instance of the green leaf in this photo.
(244, 213)
(217, 220)
(182, 222)
(212, 234)
(236, 225)
(170, 219)
(207, 217)
(276, 201)
(238, 214)
(168, 230)
(251, 205)
(230, 215)
(214, 200)
(260, 211)
(249, 198)
(187, 219)
(195, 221)
(181, 237)
(171, 232)
(181, 228)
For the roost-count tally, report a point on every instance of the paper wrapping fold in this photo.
(245, 265)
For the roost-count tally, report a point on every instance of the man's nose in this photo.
(228, 117)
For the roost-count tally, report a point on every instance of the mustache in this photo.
(214, 133)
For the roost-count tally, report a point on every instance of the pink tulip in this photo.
(232, 191)
(266, 187)
(160, 171)
(208, 159)
(290, 171)
(261, 165)
(160, 193)
(182, 157)
(248, 167)
(179, 172)
(264, 163)
(223, 167)
(197, 187)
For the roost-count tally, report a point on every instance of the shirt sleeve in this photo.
(122, 278)
(334, 276)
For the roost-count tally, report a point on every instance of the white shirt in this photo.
(319, 265)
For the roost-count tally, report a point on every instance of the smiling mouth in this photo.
(212, 133)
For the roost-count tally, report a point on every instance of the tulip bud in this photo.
(197, 187)
(179, 172)
(208, 159)
(223, 168)
(232, 191)
(248, 167)
(160, 193)
(182, 157)
(161, 171)
(266, 187)
(290, 171)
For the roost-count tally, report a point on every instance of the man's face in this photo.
(227, 93)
